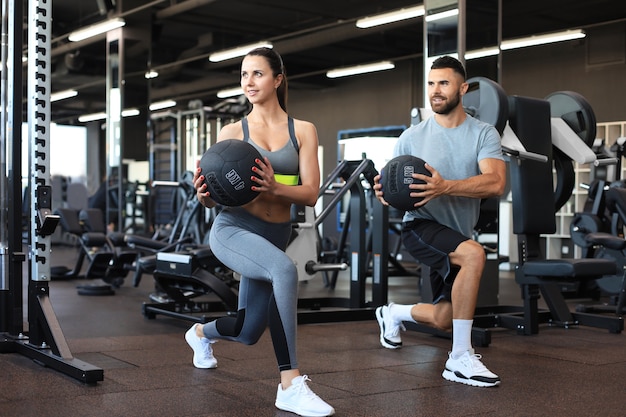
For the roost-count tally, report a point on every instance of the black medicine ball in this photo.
(227, 168)
(396, 177)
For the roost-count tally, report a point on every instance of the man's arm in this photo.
(490, 183)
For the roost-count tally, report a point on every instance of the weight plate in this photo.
(576, 111)
(487, 101)
(581, 225)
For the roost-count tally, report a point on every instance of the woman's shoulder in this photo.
(303, 125)
(232, 130)
(302, 122)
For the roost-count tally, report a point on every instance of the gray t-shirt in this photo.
(455, 153)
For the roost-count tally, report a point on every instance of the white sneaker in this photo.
(299, 399)
(389, 328)
(468, 369)
(202, 351)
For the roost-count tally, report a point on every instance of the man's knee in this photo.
(470, 251)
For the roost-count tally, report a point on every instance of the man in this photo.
(465, 160)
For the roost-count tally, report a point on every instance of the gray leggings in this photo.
(268, 291)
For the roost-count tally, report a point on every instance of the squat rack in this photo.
(44, 341)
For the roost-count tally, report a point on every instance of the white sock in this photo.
(401, 312)
(461, 337)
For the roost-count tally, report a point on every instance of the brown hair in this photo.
(276, 64)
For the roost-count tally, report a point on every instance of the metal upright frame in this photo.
(44, 341)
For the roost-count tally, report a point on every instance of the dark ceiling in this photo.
(176, 37)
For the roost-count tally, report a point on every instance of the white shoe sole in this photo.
(286, 407)
(451, 376)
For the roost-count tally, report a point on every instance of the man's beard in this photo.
(450, 105)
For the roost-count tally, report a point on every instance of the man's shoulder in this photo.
(422, 125)
(479, 123)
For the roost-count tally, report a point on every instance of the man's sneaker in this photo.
(389, 328)
(299, 399)
(468, 369)
(202, 351)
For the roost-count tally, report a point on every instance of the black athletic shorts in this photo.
(430, 243)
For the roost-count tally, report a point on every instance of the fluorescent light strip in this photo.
(236, 52)
(160, 105)
(151, 74)
(130, 112)
(542, 39)
(442, 15)
(384, 18)
(483, 52)
(230, 92)
(360, 69)
(92, 117)
(97, 29)
(61, 95)
(102, 115)
(528, 41)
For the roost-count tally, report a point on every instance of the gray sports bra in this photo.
(285, 160)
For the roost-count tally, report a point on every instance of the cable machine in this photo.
(43, 341)
(177, 140)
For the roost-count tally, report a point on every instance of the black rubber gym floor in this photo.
(580, 371)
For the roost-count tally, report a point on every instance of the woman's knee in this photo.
(249, 339)
(286, 271)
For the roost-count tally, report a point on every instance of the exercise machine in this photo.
(604, 216)
(347, 180)
(188, 227)
(535, 202)
(109, 259)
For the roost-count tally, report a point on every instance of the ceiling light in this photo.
(230, 92)
(239, 51)
(160, 105)
(442, 15)
(92, 117)
(360, 69)
(483, 52)
(102, 115)
(384, 18)
(97, 29)
(542, 39)
(61, 95)
(151, 74)
(130, 112)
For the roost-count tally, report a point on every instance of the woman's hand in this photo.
(201, 188)
(264, 176)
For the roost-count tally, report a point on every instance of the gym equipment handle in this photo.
(605, 161)
(525, 154)
(313, 267)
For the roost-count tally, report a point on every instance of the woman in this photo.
(268, 291)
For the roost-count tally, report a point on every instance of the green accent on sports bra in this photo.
(287, 179)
